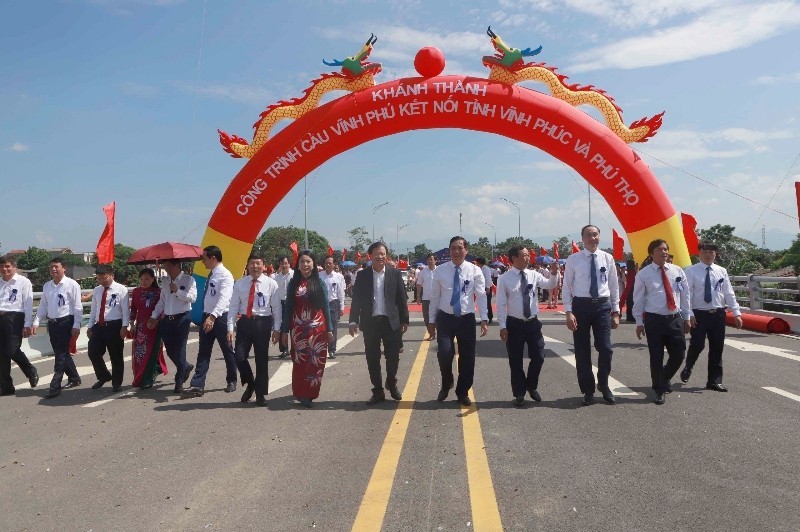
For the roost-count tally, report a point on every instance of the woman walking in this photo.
(148, 354)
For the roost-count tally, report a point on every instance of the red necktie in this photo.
(101, 319)
(667, 288)
(250, 299)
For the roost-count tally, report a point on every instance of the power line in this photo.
(776, 191)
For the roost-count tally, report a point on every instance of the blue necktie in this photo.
(526, 296)
(707, 291)
(593, 281)
(455, 299)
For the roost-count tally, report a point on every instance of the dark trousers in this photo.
(711, 325)
(282, 347)
(175, 333)
(376, 331)
(60, 332)
(462, 329)
(253, 333)
(218, 332)
(594, 317)
(11, 325)
(106, 337)
(520, 333)
(629, 306)
(664, 331)
(334, 307)
(489, 303)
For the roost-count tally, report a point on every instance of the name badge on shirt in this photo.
(262, 301)
(678, 285)
(603, 276)
(113, 301)
(148, 298)
(12, 296)
(212, 289)
(528, 288)
(718, 285)
(61, 300)
(465, 287)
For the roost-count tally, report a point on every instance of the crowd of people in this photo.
(298, 310)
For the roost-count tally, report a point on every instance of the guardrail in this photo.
(758, 289)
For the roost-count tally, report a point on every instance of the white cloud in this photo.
(775, 80)
(43, 238)
(19, 147)
(713, 32)
(401, 42)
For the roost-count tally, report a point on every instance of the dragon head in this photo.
(510, 58)
(356, 65)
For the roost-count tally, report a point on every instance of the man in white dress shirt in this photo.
(458, 287)
(172, 315)
(214, 326)
(425, 286)
(711, 291)
(16, 316)
(661, 306)
(335, 283)
(517, 311)
(61, 305)
(256, 312)
(591, 302)
(108, 327)
(282, 277)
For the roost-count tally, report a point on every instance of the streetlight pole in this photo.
(305, 213)
(374, 210)
(397, 240)
(519, 217)
(495, 237)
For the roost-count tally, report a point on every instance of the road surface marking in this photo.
(562, 350)
(783, 393)
(376, 497)
(485, 513)
(283, 376)
(747, 346)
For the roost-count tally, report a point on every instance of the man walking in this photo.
(380, 309)
(487, 279)
(591, 302)
(711, 291)
(458, 286)
(335, 284)
(16, 315)
(108, 327)
(425, 286)
(282, 277)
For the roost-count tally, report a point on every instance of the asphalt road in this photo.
(148, 460)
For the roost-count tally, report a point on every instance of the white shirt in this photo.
(60, 300)
(16, 295)
(649, 294)
(335, 282)
(425, 278)
(378, 297)
(219, 289)
(266, 301)
(577, 279)
(721, 290)
(283, 282)
(117, 307)
(473, 289)
(509, 293)
(487, 276)
(181, 301)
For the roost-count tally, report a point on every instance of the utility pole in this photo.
(374, 210)
(519, 217)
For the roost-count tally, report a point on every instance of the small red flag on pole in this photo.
(575, 248)
(555, 251)
(619, 245)
(295, 252)
(689, 234)
(330, 251)
(105, 246)
(344, 254)
(358, 257)
(542, 251)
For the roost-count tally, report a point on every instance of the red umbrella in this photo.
(165, 251)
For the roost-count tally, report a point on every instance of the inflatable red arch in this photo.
(549, 123)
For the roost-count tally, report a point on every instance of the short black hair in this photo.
(587, 226)
(429, 255)
(514, 251)
(213, 251)
(58, 260)
(457, 238)
(329, 257)
(255, 256)
(709, 246)
(654, 244)
(8, 259)
(481, 261)
(376, 245)
(103, 269)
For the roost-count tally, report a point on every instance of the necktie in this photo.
(707, 290)
(593, 292)
(667, 289)
(101, 318)
(251, 298)
(455, 299)
(526, 296)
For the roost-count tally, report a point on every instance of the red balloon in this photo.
(429, 62)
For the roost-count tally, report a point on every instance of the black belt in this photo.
(652, 315)
(254, 317)
(523, 320)
(109, 322)
(10, 313)
(591, 299)
(176, 316)
(59, 320)
(708, 311)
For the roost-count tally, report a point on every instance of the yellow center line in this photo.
(376, 498)
(485, 513)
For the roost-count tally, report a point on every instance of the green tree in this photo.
(420, 252)
(791, 257)
(124, 273)
(35, 259)
(274, 243)
(738, 255)
(483, 248)
(359, 239)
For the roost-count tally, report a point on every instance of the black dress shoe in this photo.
(99, 384)
(72, 383)
(283, 354)
(464, 400)
(306, 402)
(34, 378)
(716, 387)
(332, 356)
(685, 374)
(118, 388)
(443, 393)
(519, 401)
(535, 396)
(261, 400)
(376, 398)
(231, 387)
(10, 391)
(669, 387)
(188, 373)
(608, 397)
(193, 391)
(588, 399)
(660, 397)
(395, 393)
(178, 388)
(248, 393)
(52, 393)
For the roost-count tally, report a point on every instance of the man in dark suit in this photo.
(380, 309)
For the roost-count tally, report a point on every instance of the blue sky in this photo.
(120, 100)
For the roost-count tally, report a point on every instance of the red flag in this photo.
(358, 257)
(689, 234)
(555, 251)
(344, 254)
(295, 251)
(533, 256)
(402, 264)
(504, 259)
(330, 251)
(105, 246)
(619, 245)
(797, 193)
(542, 251)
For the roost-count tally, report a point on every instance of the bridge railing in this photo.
(755, 291)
